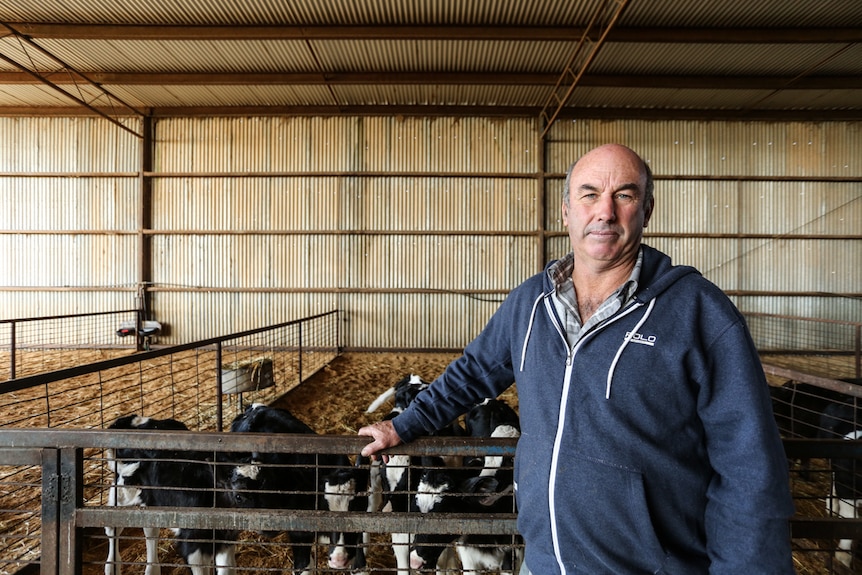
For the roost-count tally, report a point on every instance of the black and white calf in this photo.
(400, 476)
(844, 419)
(492, 418)
(301, 481)
(846, 495)
(347, 489)
(167, 478)
(799, 407)
(392, 478)
(807, 411)
(483, 486)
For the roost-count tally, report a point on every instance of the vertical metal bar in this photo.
(859, 351)
(12, 343)
(51, 485)
(300, 351)
(541, 207)
(337, 332)
(145, 206)
(71, 498)
(219, 392)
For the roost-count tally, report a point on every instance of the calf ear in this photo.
(480, 485)
(486, 488)
(474, 462)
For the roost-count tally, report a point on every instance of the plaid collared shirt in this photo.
(566, 300)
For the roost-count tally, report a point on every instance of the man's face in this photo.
(606, 211)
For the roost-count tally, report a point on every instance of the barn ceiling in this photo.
(775, 59)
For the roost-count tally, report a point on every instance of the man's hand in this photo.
(384, 436)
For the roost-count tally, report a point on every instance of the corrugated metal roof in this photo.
(407, 57)
(772, 14)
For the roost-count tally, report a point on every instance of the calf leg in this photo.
(119, 495)
(112, 563)
(152, 539)
(846, 509)
(401, 549)
(199, 562)
(303, 552)
(226, 560)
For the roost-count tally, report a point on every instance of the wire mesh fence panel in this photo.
(204, 384)
(826, 348)
(39, 344)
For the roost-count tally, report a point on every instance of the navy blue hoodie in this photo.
(649, 447)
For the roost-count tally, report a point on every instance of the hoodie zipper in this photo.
(561, 419)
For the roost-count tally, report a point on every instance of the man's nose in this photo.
(607, 209)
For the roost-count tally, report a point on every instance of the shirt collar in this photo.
(560, 274)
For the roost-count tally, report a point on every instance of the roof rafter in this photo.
(425, 110)
(605, 17)
(659, 34)
(449, 78)
(74, 78)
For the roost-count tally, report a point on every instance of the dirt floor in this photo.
(334, 400)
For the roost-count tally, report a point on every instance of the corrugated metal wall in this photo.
(415, 227)
(69, 202)
(400, 222)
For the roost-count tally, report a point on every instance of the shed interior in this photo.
(220, 167)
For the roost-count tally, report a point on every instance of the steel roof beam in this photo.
(601, 23)
(693, 82)
(646, 34)
(427, 110)
(74, 78)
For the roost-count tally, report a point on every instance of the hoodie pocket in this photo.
(602, 510)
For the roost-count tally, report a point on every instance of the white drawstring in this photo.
(529, 330)
(626, 341)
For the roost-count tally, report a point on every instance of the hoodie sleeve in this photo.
(749, 500)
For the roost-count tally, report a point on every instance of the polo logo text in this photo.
(639, 338)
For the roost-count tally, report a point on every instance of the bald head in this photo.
(619, 153)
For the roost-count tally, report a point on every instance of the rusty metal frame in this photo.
(584, 54)
(75, 77)
(65, 516)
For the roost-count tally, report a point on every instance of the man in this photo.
(648, 443)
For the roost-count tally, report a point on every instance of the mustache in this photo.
(602, 228)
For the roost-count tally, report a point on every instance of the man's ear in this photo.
(648, 210)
